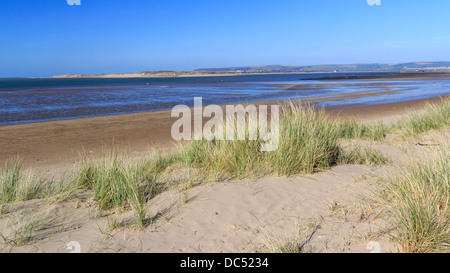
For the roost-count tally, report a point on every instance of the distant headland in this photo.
(411, 67)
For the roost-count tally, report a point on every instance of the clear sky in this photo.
(47, 37)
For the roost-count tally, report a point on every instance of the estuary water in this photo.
(24, 100)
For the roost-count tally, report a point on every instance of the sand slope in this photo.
(224, 217)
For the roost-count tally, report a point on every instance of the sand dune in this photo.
(324, 209)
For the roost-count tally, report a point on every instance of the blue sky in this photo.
(47, 37)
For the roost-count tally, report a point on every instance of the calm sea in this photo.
(32, 100)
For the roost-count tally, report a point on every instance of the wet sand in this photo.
(58, 144)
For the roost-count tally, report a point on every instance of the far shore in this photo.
(172, 74)
(57, 145)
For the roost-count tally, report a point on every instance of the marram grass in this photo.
(16, 186)
(362, 156)
(308, 143)
(119, 184)
(417, 201)
(351, 129)
(434, 117)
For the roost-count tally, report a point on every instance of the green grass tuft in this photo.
(308, 143)
(118, 184)
(366, 156)
(417, 200)
(16, 187)
(433, 118)
(351, 129)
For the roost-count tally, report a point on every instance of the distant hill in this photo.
(332, 67)
(425, 66)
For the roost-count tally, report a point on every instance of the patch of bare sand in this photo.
(225, 217)
(400, 151)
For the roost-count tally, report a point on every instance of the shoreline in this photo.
(366, 86)
(219, 74)
(52, 145)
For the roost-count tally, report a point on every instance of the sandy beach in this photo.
(324, 209)
(59, 144)
(219, 135)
